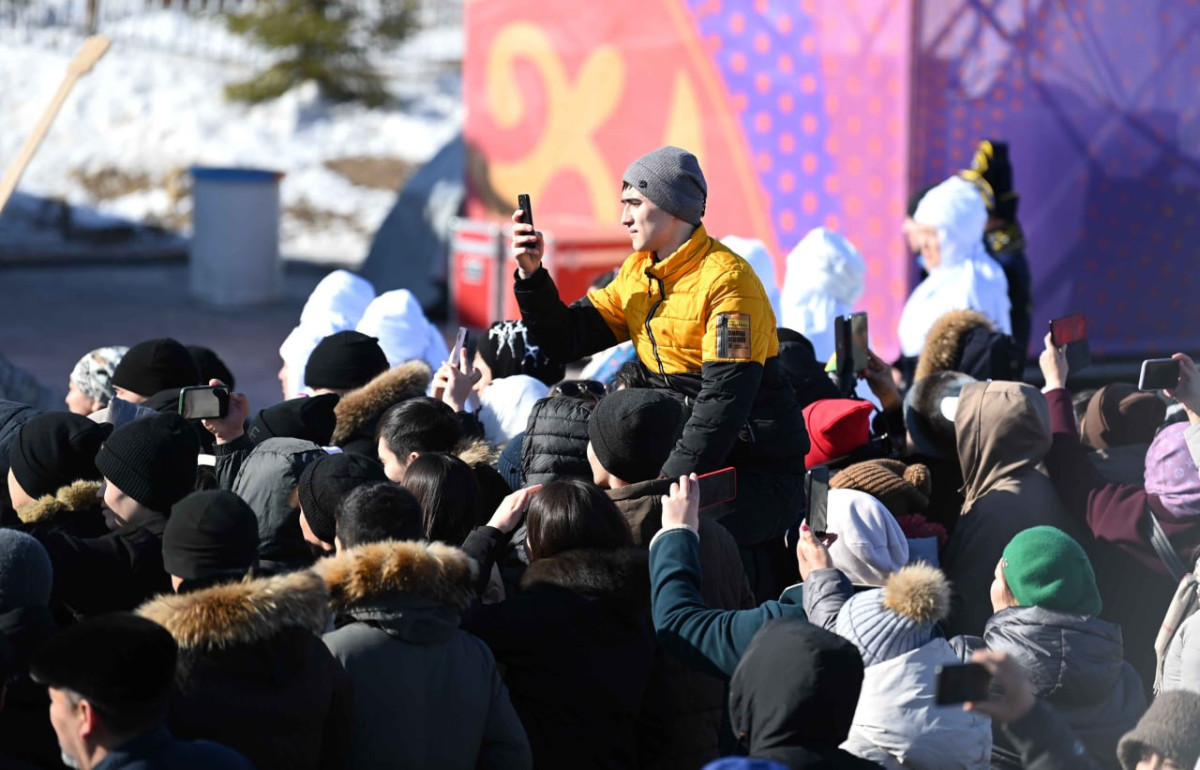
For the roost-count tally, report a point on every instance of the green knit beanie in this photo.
(1045, 567)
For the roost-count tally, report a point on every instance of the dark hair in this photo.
(377, 512)
(419, 425)
(565, 515)
(445, 487)
(1080, 401)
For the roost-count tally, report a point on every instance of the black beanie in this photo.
(54, 449)
(508, 349)
(344, 361)
(633, 432)
(311, 419)
(114, 660)
(153, 460)
(210, 366)
(154, 365)
(326, 482)
(210, 532)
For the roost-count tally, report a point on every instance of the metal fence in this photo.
(194, 28)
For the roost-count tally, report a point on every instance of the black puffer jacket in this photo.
(12, 416)
(555, 443)
(1077, 665)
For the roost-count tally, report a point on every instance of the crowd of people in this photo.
(430, 556)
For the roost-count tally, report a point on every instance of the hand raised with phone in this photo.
(528, 245)
(682, 505)
(1053, 362)
(230, 427)
(1187, 391)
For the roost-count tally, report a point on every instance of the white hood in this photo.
(870, 544)
(506, 404)
(755, 252)
(825, 276)
(898, 723)
(397, 320)
(966, 278)
(336, 304)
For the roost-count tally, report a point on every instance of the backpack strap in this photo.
(1162, 546)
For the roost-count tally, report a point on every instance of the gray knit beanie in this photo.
(898, 618)
(1168, 729)
(672, 179)
(26, 576)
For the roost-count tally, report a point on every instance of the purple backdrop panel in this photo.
(1097, 102)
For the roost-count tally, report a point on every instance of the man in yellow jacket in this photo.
(704, 331)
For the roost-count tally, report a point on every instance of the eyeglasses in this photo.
(591, 389)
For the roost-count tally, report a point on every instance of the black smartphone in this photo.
(717, 487)
(816, 491)
(962, 684)
(1159, 374)
(460, 346)
(526, 208)
(843, 351)
(204, 402)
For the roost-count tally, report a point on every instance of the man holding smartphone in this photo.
(704, 331)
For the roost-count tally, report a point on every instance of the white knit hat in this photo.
(870, 544)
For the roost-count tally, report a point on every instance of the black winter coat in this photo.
(253, 673)
(555, 443)
(12, 416)
(577, 646)
(25, 732)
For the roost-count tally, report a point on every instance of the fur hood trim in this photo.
(918, 592)
(361, 407)
(943, 341)
(246, 612)
(623, 573)
(478, 452)
(76, 497)
(379, 571)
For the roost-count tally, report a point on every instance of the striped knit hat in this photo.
(898, 618)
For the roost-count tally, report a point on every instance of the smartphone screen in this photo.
(717, 487)
(204, 402)
(843, 347)
(1159, 374)
(526, 207)
(962, 684)
(1070, 328)
(858, 341)
(816, 487)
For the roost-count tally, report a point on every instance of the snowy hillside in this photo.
(142, 117)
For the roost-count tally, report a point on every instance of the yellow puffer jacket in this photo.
(704, 304)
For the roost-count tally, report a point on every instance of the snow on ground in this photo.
(149, 114)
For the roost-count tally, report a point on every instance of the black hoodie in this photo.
(793, 696)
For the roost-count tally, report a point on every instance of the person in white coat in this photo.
(336, 304)
(396, 319)
(825, 276)
(950, 220)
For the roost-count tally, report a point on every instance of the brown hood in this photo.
(362, 407)
(1003, 429)
(77, 497)
(245, 612)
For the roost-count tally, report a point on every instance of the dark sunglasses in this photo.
(581, 389)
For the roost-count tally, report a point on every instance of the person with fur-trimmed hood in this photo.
(426, 693)
(252, 671)
(576, 640)
(967, 341)
(898, 722)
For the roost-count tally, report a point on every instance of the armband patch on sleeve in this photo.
(733, 336)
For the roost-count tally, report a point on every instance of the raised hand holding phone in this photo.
(681, 507)
(1187, 388)
(233, 425)
(1053, 362)
(527, 243)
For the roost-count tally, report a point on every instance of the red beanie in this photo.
(836, 427)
